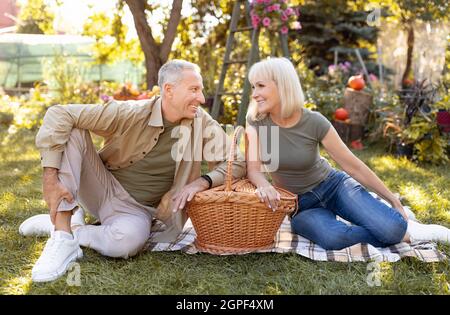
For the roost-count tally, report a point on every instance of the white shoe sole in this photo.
(61, 270)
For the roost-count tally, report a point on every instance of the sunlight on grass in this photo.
(384, 163)
(386, 274)
(441, 282)
(25, 180)
(416, 196)
(392, 164)
(6, 200)
(19, 285)
(273, 289)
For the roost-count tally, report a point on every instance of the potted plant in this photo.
(414, 131)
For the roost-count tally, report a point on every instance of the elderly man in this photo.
(148, 168)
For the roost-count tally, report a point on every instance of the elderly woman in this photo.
(323, 192)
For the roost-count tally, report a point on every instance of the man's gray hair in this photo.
(171, 72)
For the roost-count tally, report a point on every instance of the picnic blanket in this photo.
(288, 242)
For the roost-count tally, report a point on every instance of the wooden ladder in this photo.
(252, 57)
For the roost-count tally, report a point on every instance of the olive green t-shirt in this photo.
(150, 178)
(300, 166)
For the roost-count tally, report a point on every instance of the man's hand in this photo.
(188, 192)
(398, 205)
(54, 192)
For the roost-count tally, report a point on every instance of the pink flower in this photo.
(331, 69)
(255, 20)
(289, 11)
(255, 17)
(274, 14)
(373, 77)
(343, 67)
(297, 11)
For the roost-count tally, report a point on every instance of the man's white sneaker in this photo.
(38, 225)
(56, 257)
(428, 232)
(41, 224)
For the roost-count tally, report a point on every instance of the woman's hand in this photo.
(398, 205)
(269, 195)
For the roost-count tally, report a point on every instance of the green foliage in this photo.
(197, 39)
(98, 26)
(406, 11)
(326, 98)
(111, 44)
(429, 145)
(323, 93)
(446, 72)
(337, 25)
(36, 18)
(27, 111)
(65, 78)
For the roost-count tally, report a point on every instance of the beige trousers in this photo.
(125, 224)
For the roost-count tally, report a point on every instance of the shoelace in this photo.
(50, 248)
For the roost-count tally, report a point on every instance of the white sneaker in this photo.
(428, 232)
(56, 257)
(41, 224)
(38, 225)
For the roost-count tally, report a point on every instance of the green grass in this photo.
(424, 188)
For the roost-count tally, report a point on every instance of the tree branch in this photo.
(137, 8)
(171, 31)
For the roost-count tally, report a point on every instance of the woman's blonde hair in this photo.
(283, 73)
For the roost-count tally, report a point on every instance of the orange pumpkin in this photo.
(341, 114)
(356, 82)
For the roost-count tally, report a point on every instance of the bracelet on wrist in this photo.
(208, 179)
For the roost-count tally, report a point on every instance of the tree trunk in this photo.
(155, 54)
(409, 55)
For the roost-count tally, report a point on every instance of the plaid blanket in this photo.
(288, 242)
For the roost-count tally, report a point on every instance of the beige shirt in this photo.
(150, 178)
(131, 129)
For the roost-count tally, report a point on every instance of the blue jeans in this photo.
(373, 222)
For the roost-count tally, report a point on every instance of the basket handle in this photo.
(228, 179)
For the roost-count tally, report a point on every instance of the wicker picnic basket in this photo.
(230, 219)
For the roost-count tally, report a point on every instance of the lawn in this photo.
(424, 188)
